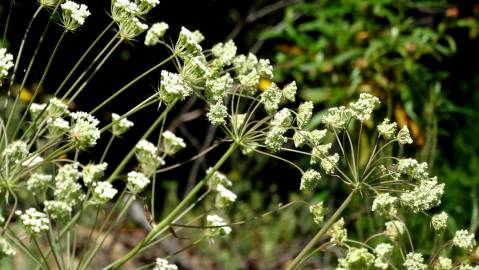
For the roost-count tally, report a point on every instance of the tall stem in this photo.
(173, 214)
(310, 246)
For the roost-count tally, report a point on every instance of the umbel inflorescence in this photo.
(40, 154)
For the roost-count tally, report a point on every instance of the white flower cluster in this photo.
(414, 261)
(424, 196)
(318, 211)
(387, 129)
(382, 251)
(57, 209)
(155, 33)
(74, 15)
(172, 143)
(403, 136)
(103, 192)
(385, 204)
(120, 125)
(217, 178)
(338, 233)
(15, 152)
(162, 264)
(224, 196)
(443, 263)
(6, 62)
(127, 15)
(93, 172)
(364, 106)
(6, 248)
(304, 114)
(224, 52)
(218, 226)
(173, 87)
(395, 229)
(463, 239)
(337, 118)
(38, 183)
(188, 44)
(84, 130)
(147, 155)
(136, 182)
(356, 258)
(57, 126)
(310, 180)
(67, 188)
(34, 221)
(439, 221)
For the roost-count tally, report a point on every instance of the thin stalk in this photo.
(107, 148)
(35, 242)
(30, 65)
(307, 249)
(42, 79)
(173, 214)
(131, 83)
(130, 154)
(72, 71)
(85, 83)
(7, 22)
(24, 39)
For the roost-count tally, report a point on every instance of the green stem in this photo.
(85, 83)
(173, 214)
(42, 79)
(82, 58)
(306, 250)
(107, 148)
(131, 83)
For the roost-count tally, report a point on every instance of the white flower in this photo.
(162, 264)
(32, 161)
(387, 129)
(337, 118)
(15, 152)
(224, 52)
(188, 43)
(57, 209)
(463, 239)
(58, 126)
(364, 106)
(218, 226)
(329, 163)
(155, 33)
(439, 221)
(425, 196)
(146, 154)
(173, 87)
(403, 136)
(395, 228)
(93, 172)
(305, 112)
(282, 119)
(289, 91)
(6, 62)
(357, 258)
(130, 27)
(74, 15)
(136, 182)
(38, 183)
(66, 187)
(6, 248)
(216, 179)
(318, 211)
(310, 180)
(414, 261)
(271, 98)
(103, 192)
(34, 221)
(172, 143)
(275, 138)
(337, 232)
(120, 126)
(385, 204)
(217, 114)
(224, 196)
(84, 130)
(443, 263)
(217, 88)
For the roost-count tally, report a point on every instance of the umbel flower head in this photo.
(120, 125)
(155, 33)
(162, 264)
(147, 154)
(84, 130)
(6, 62)
(218, 226)
(74, 15)
(34, 221)
(136, 182)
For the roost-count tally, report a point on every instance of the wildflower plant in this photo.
(40, 152)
